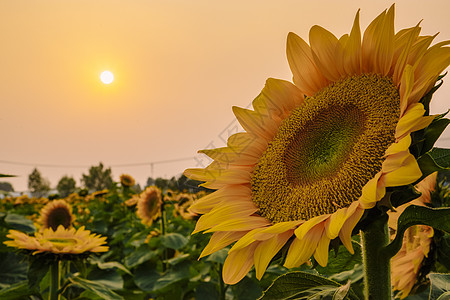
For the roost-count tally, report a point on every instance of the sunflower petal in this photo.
(346, 231)
(220, 240)
(326, 51)
(334, 224)
(303, 229)
(306, 74)
(302, 249)
(256, 123)
(413, 120)
(408, 173)
(321, 253)
(238, 264)
(266, 250)
(352, 49)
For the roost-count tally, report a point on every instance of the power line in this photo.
(86, 166)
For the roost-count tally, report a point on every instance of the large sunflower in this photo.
(318, 152)
(59, 241)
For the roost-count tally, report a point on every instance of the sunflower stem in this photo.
(163, 232)
(54, 280)
(221, 283)
(377, 269)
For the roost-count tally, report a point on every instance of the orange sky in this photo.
(179, 66)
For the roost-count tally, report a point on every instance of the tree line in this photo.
(98, 178)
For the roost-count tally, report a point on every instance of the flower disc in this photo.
(55, 213)
(327, 149)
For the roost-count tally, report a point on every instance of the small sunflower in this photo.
(405, 265)
(127, 180)
(55, 213)
(59, 241)
(149, 205)
(319, 152)
(132, 201)
(182, 207)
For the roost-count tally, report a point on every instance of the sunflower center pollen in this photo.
(327, 149)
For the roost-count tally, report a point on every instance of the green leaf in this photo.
(12, 270)
(247, 289)
(441, 156)
(433, 132)
(437, 218)
(108, 278)
(141, 255)
(342, 261)
(108, 265)
(37, 270)
(427, 98)
(16, 291)
(20, 223)
(443, 249)
(174, 241)
(302, 285)
(98, 288)
(440, 285)
(218, 256)
(149, 280)
(206, 290)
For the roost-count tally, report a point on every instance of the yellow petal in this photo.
(327, 53)
(218, 178)
(246, 240)
(230, 156)
(378, 44)
(352, 49)
(399, 146)
(304, 228)
(321, 253)
(394, 161)
(244, 141)
(225, 212)
(406, 87)
(238, 264)
(346, 231)
(407, 42)
(302, 249)
(412, 120)
(372, 192)
(266, 250)
(334, 223)
(241, 224)
(256, 123)
(229, 193)
(276, 228)
(220, 240)
(408, 173)
(278, 98)
(306, 75)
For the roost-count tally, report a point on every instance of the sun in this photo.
(107, 77)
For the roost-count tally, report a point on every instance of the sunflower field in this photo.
(150, 252)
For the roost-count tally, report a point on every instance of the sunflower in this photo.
(127, 180)
(182, 207)
(55, 213)
(59, 241)
(149, 205)
(317, 153)
(405, 265)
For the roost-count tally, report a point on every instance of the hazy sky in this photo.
(179, 67)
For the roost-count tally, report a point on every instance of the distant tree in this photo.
(6, 187)
(66, 186)
(161, 183)
(38, 185)
(150, 181)
(98, 178)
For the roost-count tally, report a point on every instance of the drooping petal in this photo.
(409, 172)
(302, 249)
(238, 264)
(220, 240)
(346, 231)
(267, 249)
